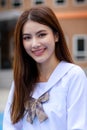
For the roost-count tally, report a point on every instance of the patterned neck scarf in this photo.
(34, 108)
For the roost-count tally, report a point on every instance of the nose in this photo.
(35, 42)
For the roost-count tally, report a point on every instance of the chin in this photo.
(40, 61)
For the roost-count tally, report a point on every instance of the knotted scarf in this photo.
(34, 107)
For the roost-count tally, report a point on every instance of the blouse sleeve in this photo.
(77, 101)
(7, 124)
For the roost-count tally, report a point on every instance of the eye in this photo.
(26, 38)
(42, 35)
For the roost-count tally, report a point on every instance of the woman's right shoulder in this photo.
(11, 92)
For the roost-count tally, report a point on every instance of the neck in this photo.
(46, 70)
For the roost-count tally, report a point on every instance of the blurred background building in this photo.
(72, 15)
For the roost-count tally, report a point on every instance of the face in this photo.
(39, 41)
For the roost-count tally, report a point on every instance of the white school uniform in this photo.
(67, 105)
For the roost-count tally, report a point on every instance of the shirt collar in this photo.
(61, 69)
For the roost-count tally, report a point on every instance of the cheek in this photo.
(26, 46)
(49, 41)
(51, 44)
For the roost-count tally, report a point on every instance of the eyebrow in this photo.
(36, 33)
(41, 31)
(26, 34)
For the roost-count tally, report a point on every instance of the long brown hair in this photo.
(25, 68)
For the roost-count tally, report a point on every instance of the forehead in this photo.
(31, 26)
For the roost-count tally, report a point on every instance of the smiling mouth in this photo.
(39, 52)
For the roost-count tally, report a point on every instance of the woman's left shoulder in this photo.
(76, 70)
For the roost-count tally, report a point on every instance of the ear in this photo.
(56, 37)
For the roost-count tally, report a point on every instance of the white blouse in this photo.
(67, 105)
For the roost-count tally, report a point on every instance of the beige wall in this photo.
(70, 5)
(72, 27)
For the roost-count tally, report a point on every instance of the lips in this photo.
(38, 52)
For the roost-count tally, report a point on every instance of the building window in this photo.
(60, 2)
(37, 2)
(0, 49)
(7, 43)
(16, 3)
(80, 2)
(80, 47)
(2, 2)
(0, 57)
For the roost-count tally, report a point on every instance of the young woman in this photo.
(49, 92)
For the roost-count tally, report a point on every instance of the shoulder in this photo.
(75, 71)
(11, 93)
